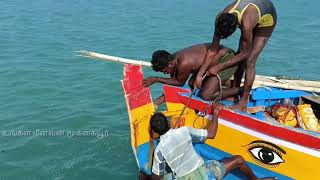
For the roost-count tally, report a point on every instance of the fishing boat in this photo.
(270, 148)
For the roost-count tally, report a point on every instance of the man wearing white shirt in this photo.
(176, 151)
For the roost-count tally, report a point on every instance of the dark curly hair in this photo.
(159, 123)
(226, 24)
(160, 59)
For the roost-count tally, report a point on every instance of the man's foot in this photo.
(240, 106)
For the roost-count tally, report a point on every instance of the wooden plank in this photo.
(312, 86)
(256, 109)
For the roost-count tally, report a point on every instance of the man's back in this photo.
(176, 149)
(194, 55)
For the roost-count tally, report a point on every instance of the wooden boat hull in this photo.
(270, 149)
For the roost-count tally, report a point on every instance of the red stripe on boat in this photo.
(137, 95)
(172, 95)
(279, 132)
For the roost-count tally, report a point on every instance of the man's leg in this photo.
(228, 92)
(238, 75)
(209, 87)
(235, 89)
(238, 162)
(191, 80)
(257, 46)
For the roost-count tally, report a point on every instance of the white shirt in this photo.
(175, 148)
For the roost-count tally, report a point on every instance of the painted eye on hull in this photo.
(266, 156)
(266, 153)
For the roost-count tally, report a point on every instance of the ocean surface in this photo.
(64, 116)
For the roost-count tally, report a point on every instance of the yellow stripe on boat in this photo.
(232, 140)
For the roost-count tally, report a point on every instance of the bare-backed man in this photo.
(183, 63)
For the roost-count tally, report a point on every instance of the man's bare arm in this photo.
(251, 20)
(246, 42)
(179, 80)
(159, 100)
(212, 130)
(210, 55)
(211, 52)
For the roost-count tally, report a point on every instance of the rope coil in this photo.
(211, 102)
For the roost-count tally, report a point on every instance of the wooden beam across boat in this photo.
(310, 86)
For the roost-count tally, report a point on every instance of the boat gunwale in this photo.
(281, 132)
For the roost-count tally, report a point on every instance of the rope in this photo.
(217, 99)
(184, 108)
(206, 109)
(220, 85)
(211, 102)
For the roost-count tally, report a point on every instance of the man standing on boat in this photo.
(188, 61)
(176, 151)
(256, 20)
